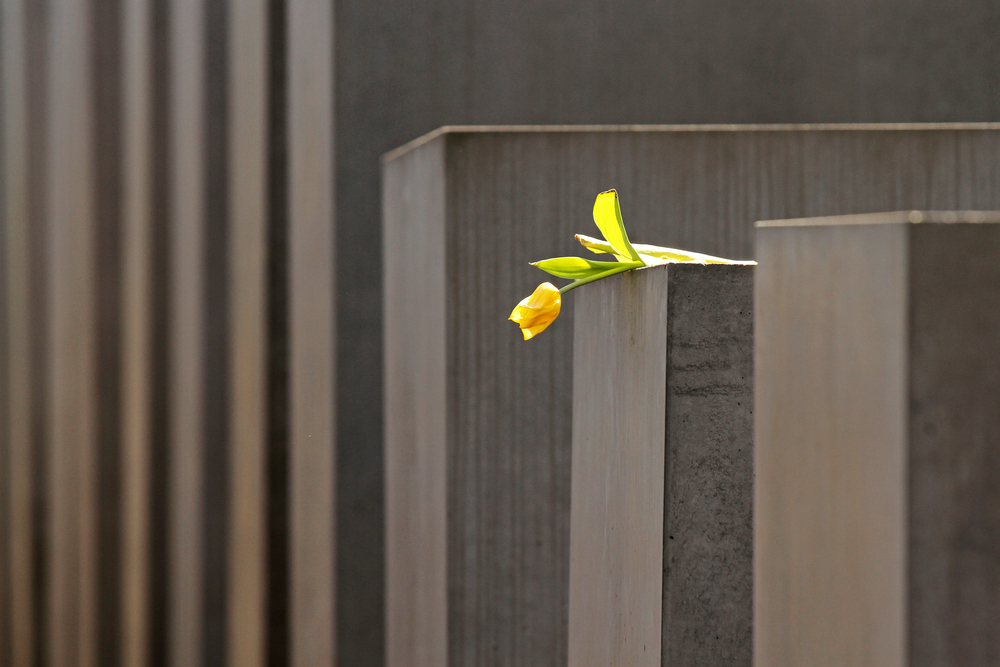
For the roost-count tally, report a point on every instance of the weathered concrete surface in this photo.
(416, 488)
(708, 513)
(878, 385)
(406, 68)
(954, 455)
(616, 522)
(661, 562)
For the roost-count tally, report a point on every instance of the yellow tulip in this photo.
(537, 311)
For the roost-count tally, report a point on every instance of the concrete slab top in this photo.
(773, 127)
(887, 218)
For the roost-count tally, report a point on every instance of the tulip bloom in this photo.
(537, 311)
(542, 307)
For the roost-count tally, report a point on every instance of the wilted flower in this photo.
(537, 311)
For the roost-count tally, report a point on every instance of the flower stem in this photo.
(621, 268)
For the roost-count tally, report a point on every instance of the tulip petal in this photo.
(537, 311)
(608, 216)
(531, 332)
(573, 268)
(596, 246)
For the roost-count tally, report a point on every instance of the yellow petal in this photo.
(598, 246)
(534, 313)
(531, 331)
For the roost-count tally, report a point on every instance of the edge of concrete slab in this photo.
(886, 218)
(778, 127)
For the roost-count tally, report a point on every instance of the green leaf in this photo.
(574, 268)
(608, 216)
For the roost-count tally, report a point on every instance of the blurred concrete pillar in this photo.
(73, 453)
(249, 337)
(145, 334)
(877, 533)
(311, 335)
(661, 542)
(188, 445)
(23, 333)
(227, 334)
(143, 435)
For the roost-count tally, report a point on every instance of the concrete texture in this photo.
(954, 456)
(708, 512)
(876, 444)
(616, 522)
(663, 469)
(312, 364)
(416, 315)
(513, 196)
(404, 69)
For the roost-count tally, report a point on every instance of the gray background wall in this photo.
(405, 68)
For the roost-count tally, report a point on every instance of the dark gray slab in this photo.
(510, 196)
(878, 381)
(404, 69)
(661, 562)
(23, 342)
(708, 523)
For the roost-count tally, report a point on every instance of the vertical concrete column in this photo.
(660, 524)
(311, 335)
(141, 382)
(417, 406)
(877, 533)
(23, 229)
(187, 338)
(248, 335)
(72, 632)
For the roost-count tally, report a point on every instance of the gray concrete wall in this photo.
(416, 313)
(661, 555)
(516, 196)
(619, 453)
(404, 69)
(876, 443)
